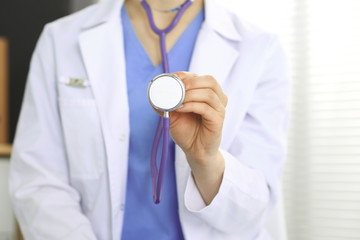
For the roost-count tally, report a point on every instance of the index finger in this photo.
(193, 81)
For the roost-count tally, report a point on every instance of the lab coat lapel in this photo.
(214, 55)
(101, 45)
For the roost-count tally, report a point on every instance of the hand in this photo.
(197, 128)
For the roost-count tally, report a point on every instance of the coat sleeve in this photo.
(254, 160)
(45, 204)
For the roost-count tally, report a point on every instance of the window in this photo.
(321, 179)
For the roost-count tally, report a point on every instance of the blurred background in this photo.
(321, 180)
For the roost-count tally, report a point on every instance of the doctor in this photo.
(80, 164)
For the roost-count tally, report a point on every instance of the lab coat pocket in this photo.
(83, 137)
(74, 88)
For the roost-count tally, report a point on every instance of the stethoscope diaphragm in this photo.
(166, 92)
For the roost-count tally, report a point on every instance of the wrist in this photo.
(207, 167)
(208, 177)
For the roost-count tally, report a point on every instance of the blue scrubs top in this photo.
(142, 218)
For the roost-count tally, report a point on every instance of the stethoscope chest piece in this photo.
(166, 92)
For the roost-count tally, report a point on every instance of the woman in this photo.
(80, 165)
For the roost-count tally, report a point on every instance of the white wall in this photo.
(7, 220)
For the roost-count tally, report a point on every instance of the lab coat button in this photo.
(122, 137)
(122, 207)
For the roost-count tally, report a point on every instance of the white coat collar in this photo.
(106, 10)
(216, 17)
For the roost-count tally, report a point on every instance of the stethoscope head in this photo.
(166, 92)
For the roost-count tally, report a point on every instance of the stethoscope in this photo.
(166, 92)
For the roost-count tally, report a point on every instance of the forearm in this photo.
(208, 177)
(40, 219)
(241, 201)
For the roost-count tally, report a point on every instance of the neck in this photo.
(164, 5)
(147, 37)
(161, 19)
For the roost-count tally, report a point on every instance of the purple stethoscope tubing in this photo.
(157, 175)
(162, 32)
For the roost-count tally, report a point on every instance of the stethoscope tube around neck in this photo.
(162, 32)
(157, 175)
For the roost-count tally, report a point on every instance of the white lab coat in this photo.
(69, 163)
